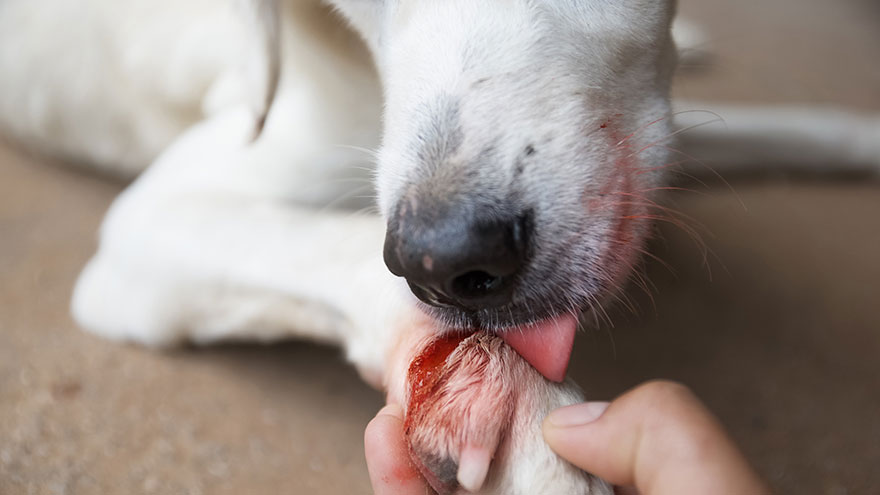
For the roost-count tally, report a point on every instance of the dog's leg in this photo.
(735, 139)
(214, 242)
(110, 84)
(474, 410)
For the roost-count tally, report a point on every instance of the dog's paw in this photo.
(107, 301)
(473, 421)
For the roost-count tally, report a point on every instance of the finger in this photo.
(657, 437)
(391, 471)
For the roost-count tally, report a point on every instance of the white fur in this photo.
(227, 238)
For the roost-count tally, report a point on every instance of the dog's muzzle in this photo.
(457, 257)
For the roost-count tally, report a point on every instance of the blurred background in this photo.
(779, 331)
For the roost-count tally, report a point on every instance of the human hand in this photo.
(391, 470)
(656, 439)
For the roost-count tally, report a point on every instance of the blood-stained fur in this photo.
(470, 399)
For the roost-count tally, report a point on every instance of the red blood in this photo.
(424, 371)
(403, 474)
(423, 376)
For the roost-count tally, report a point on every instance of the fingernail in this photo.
(577, 415)
(391, 410)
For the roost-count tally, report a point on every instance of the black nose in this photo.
(458, 258)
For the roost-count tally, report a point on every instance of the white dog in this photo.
(522, 147)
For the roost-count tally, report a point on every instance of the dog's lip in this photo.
(546, 345)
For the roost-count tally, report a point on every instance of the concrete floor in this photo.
(780, 334)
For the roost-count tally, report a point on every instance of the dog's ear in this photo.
(263, 62)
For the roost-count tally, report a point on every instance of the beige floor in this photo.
(780, 335)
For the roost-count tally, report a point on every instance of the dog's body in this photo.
(553, 112)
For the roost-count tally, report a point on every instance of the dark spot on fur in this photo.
(488, 153)
(480, 82)
(520, 164)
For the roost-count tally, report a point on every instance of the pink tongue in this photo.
(546, 345)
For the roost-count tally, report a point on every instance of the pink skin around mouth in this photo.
(545, 345)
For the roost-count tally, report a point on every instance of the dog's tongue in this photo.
(546, 345)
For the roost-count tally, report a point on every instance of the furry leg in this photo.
(211, 243)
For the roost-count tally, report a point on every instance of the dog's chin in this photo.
(504, 318)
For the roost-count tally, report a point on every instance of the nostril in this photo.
(458, 257)
(476, 285)
(429, 295)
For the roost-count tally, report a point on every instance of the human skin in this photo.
(656, 439)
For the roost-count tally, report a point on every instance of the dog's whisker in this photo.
(644, 252)
(343, 198)
(367, 211)
(372, 153)
(706, 252)
(671, 166)
(670, 220)
(672, 188)
(712, 171)
(638, 130)
(571, 304)
(691, 177)
(597, 306)
(684, 227)
(641, 201)
(666, 117)
(591, 309)
(343, 180)
(635, 199)
(369, 170)
(672, 135)
(605, 316)
(699, 110)
(621, 299)
(641, 281)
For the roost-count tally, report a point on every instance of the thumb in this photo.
(658, 438)
(391, 470)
